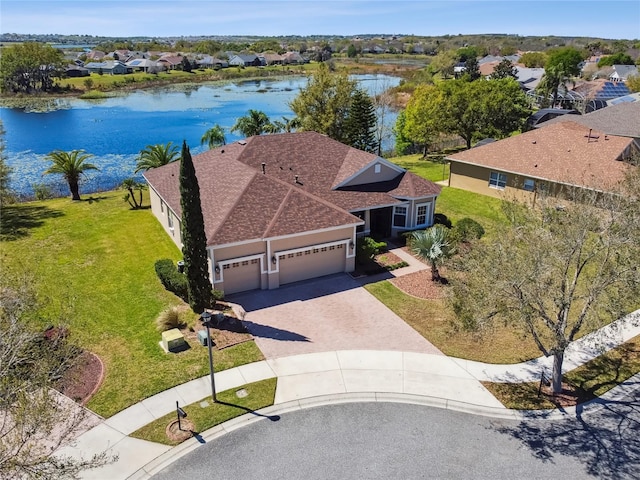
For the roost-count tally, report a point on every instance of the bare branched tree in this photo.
(35, 420)
(555, 270)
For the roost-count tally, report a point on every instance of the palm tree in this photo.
(131, 186)
(153, 156)
(286, 125)
(255, 123)
(554, 77)
(434, 246)
(214, 137)
(70, 165)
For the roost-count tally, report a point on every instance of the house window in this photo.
(399, 216)
(161, 207)
(170, 221)
(529, 185)
(422, 211)
(376, 168)
(498, 180)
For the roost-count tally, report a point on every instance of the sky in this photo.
(161, 18)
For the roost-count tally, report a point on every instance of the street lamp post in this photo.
(205, 318)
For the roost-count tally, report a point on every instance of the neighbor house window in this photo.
(422, 211)
(529, 185)
(497, 180)
(399, 216)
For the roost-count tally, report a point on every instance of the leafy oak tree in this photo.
(194, 239)
(422, 119)
(323, 104)
(554, 272)
(30, 67)
(504, 69)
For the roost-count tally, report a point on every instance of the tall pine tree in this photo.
(194, 240)
(359, 127)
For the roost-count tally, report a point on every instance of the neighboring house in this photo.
(538, 118)
(245, 60)
(621, 119)
(288, 207)
(293, 58)
(76, 71)
(142, 65)
(211, 62)
(553, 158)
(622, 72)
(271, 59)
(170, 62)
(95, 55)
(113, 67)
(529, 78)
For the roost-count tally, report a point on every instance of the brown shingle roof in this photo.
(239, 202)
(561, 152)
(622, 119)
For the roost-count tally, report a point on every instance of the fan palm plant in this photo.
(71, 165)
(153, 156)
(433, 246)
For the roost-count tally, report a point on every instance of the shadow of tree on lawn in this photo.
(17, 221)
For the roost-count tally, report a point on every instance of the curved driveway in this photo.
(322, 315)
(385, 440)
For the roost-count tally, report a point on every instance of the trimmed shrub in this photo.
(217, 295)
(170, 318)
(441, 219)
(172, 280)
(367, 248)
(467, 229)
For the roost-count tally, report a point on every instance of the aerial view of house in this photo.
(288, 207)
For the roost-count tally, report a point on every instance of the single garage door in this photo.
(311, 263)
(241, 276)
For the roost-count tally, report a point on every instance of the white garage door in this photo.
(311, 263)
(241, 276)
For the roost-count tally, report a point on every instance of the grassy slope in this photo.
(98, 256)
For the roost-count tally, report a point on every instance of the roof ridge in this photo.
(278, 213)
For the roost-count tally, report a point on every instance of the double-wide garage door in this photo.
(311, 263)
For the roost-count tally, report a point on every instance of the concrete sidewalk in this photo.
(338, 376)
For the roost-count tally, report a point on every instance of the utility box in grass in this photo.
(172, 340)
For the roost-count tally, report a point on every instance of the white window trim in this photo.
(393, 218)
(496, 184)
(427, 214)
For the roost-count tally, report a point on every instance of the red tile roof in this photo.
(566, 152)
(240, 203)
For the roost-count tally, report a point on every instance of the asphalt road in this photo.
(403, 441)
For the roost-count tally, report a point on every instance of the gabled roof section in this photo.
(356, 163)
(564, 152)
(622, 119)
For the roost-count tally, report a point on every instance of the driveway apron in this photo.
(327, 314)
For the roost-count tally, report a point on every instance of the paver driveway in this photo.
(326, 314)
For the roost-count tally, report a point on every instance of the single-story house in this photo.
(271, 59)
(293, 58)
(621, 73)
(211, 62)
(142, 65)
(76, 71)
(551, 159)
(245, 60)
(170, 62)
(114, 67)
(288, 207)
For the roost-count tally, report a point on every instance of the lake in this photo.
(117, 128)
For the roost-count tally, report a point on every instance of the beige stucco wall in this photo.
(476, 179)
(162, 216)
(289, 243)
(370, 176)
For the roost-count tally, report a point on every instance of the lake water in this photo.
(117, 128)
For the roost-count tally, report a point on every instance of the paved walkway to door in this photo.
(326, 314)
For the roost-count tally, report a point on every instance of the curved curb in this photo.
(166, 459)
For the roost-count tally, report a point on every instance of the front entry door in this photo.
(381, 222)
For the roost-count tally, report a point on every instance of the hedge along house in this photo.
(551, 159)
(288, 207)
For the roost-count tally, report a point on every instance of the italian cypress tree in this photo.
(194, 240)
(359, 127)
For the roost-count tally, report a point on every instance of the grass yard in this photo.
(259, 395)
(591, 380)
(433, 320)
(433, 171)
(94, 260)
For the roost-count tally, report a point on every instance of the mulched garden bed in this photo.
(382, 262)
(419, 284)
(82, 380)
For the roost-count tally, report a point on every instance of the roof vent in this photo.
(591, 136)
(242, 142)
(264, 168)
(534, 142)
(296, 179)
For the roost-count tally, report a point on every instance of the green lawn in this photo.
(95, 260)
(434, 321)
(204, 416)
(433, 171)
